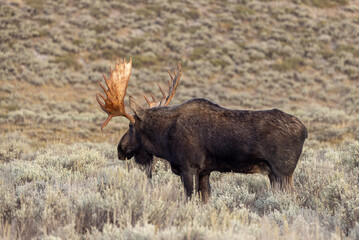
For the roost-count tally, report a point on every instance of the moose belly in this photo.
(249, 166)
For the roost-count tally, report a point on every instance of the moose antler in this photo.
(172, 86)
(117, 86)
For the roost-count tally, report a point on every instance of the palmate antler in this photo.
(116, 91)
(172, 86)
(117, 86)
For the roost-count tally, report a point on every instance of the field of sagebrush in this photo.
(59, 174)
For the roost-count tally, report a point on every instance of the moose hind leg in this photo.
(283, 183)
(287, 184)
(204, 188)
(190, 182)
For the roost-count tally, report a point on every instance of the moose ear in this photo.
(136, 108)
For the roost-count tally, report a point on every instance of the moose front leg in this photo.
(148, 169)
(190, 182)
(204, 187)
(146, 160)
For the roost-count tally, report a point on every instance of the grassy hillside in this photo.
(59, 174)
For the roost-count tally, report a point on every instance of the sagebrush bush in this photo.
(83, 189)
(14, 146)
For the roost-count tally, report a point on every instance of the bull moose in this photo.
(198, 136)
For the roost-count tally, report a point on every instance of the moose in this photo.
(198, 137)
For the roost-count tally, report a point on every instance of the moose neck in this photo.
(155, 129)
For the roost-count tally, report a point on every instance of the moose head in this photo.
(131, 144)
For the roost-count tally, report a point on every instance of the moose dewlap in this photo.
(198, 136)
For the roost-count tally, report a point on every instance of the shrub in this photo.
(36, 4)
(288, 64)
(13, 146)
(325, 3)
(68, 60)
(198, 53)
(145, 60)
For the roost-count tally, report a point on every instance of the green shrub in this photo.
(68, 60)
(219, 62)
(112, 54)
(140, 61)
(288, 64)
(326, 3)
(192, 14)
(99, 28)
(198, 53)
(134, 42)
(243, 11)
(39, 5)
(348, 48)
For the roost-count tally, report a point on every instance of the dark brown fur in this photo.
(198, 137)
